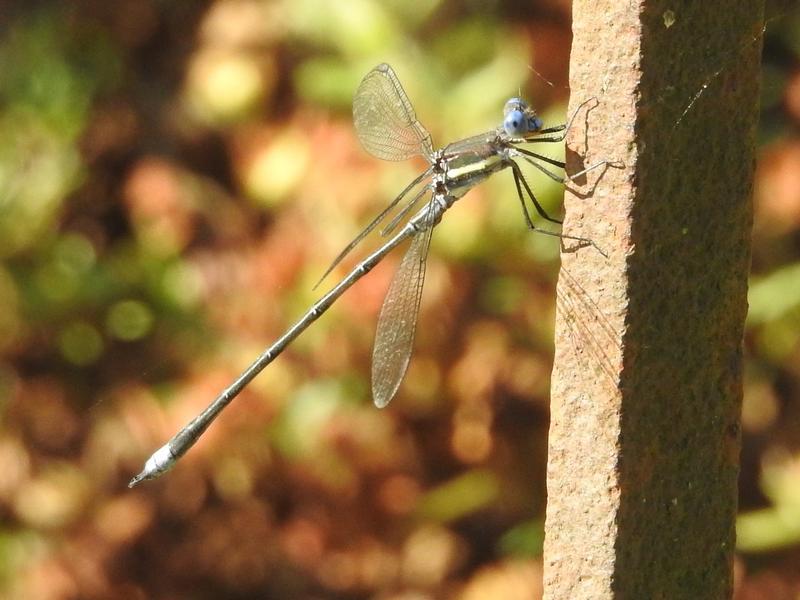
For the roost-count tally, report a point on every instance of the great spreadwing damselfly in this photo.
(388, 128)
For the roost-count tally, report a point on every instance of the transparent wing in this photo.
(385, 120)
(398, 319)
(379, 219)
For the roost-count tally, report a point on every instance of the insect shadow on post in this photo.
(589, 329)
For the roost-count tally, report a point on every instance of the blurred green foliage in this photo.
(174, 177)
(48, 85)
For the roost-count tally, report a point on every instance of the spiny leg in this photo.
(519, 179)
(563, 128)
(527, 155)
(549, 130)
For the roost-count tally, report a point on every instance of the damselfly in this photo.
(388, 129)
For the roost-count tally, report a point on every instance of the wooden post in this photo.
(646, 390)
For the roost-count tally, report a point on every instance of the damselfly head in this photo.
(520, 119)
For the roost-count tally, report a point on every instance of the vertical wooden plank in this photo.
(646, 389)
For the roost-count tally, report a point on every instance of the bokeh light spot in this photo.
(80, 343)
(226, 86)
(276, 169)
(129, 320)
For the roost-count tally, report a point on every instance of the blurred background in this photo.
(175, 176)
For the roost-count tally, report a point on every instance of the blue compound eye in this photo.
(516, 123)
(534, 124)
(515, 104)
